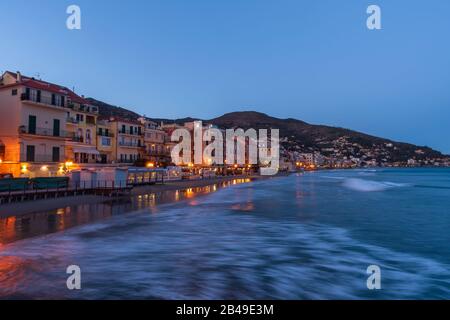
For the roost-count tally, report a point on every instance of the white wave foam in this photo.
(370, 185)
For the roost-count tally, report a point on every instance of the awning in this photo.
(86, 150)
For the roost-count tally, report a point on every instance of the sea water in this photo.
(306, 236)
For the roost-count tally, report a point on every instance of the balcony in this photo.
(41, 99)
(47, 132)
(130, 144)
(104, 134)
(83, 108)
(40, 158)
(130, 132)
(158, 153)
(72, 120)
(127, 161)
(77, 139)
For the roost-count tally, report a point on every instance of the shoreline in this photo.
(30, 207)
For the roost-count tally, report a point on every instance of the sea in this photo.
(315, 235)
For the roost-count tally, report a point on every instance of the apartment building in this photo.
(81, 125)
(33, 126)
(155, 138)
(106, 142)
(129, 140)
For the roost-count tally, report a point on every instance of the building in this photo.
(81, 125)
(128, 146)
(33, 135)
(155, 139)
(106, 142)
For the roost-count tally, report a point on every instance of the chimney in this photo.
(19, 77)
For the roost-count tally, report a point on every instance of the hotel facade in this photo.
(46, 126)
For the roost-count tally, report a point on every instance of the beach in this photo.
(28, 207)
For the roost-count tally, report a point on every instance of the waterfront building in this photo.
(128, 146)
(81, 125)
(106, 142)
(33, 130)
(156, 151)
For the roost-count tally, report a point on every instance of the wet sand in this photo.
(23, 208)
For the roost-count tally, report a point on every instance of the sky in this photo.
(314, 60)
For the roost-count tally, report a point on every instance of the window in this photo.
(55, 154)
(31, 124)
(80, 135)
(14, 92)
(106, 141)
(123, 129)
(30, 153)
(2, 150)
(90, 120)
(100, 131)
(88, 136)
(56, 127)
(80, 117)
(53, 99)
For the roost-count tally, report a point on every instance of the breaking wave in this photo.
(370, 185)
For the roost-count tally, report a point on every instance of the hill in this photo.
(303, 137)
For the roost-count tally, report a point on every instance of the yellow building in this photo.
(156, 149)
(82, 128)
(106, 141)
(128, 146)
(33, 125)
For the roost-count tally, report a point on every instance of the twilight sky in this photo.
(314, 60)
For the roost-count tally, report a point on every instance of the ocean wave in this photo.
(202, 260)
(371, 185)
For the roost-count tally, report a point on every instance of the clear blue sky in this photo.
(312, 60)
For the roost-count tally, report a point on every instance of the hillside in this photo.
(320, 138)
(107, 110)
(302, 136)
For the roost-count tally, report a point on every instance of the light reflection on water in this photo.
(301, 237)
(41, 223)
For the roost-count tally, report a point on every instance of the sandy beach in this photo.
(23, 208)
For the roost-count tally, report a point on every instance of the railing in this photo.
(77, 139)
(83, 107)
(130, 144)
(49, 132)
(47, 188)
(45, 158)
(72, 120)
(40, 99)
(130, 132)
(158, 153)
(126, 161)
(103, 134)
